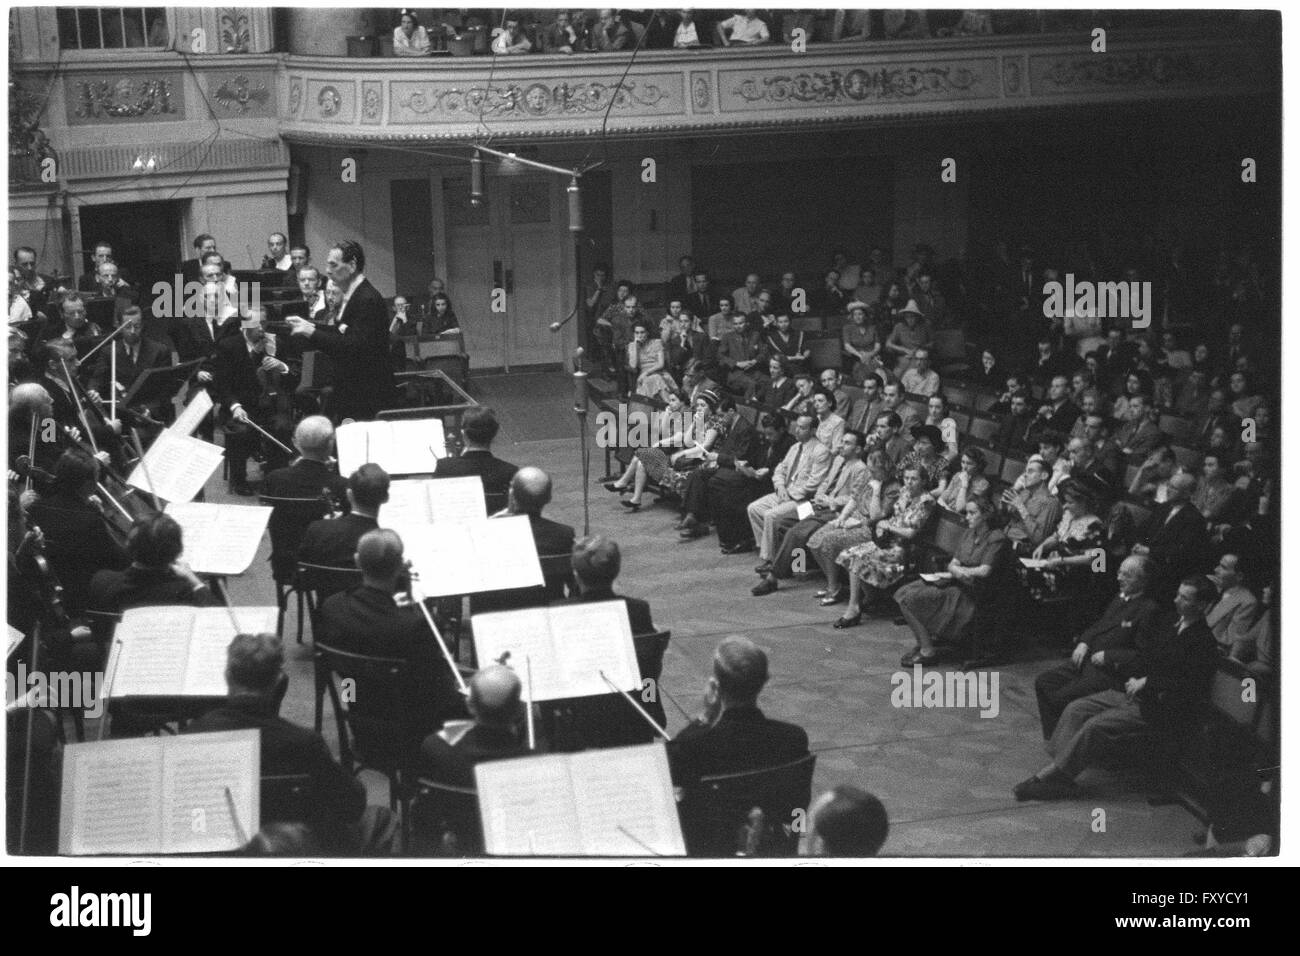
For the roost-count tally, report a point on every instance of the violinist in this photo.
(157, 575)
(314, 480)
(77, 537)
(74, 327)
(36, 287)
(50, 359)
(134, 355)
(249, 380)
(34, 444)
(109, 285)
(59, 362)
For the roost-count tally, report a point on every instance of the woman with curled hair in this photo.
(645, 361)
(880, 564)
(442, 317)
(673, 425)
(969, 482)
(940, 611)
(853, 525)
(409, 38)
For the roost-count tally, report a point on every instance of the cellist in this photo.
(250, 384)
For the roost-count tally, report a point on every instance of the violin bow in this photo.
(31, 450)
(76, 398)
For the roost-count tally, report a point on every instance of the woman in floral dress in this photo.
(853, 525)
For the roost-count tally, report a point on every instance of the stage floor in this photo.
(945, 775)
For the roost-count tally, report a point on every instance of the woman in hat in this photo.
(911, 332)
(1067, 556)
(879, 565)
(940, 611)
(861, 343)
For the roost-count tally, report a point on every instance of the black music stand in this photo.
(160, 384)
(102, 311)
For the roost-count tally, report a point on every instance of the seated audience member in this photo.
(968, 482)
(479, 428)
(338, 817)
(1032, 511)
(559, 36)
(937, 417)
(371, 620)
(895, 401)
(687, 33)
(1070, 552)
(1094, 664)
(672, 463)
(644, 363)
(736, 482)
(845, 482)
(739, 356)
(779, 389)
(920, 379)
(1174, 537)
(845, 822)
(732, 735)
(157, 575)
(409, 38)
(830, 426)
(442, 317)
(1138, 436)
(743, 28)
(830, 299)
(878, 565)
(610, 33)
(1216, 498)
(1085, 462)
(494, 706)
(654, 461)
(890, 439)
(1168, 679)
(853, 525)
(833, 383)
(941, 612)
(911, 332)
(332, 542)
(745, 299)
(1234, 609)
(1013, 437)
(1151, 480)
(740, 442)
(926, 442)
(868, 408)
(77, 542)
(786, 343)
(861, 343)
(513, 38)
(796, 479)
(800, 403)
(312, 476)
(1059, 412)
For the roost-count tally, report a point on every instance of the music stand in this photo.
(102, 311)
(160, 384)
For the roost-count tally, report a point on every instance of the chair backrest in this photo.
(749, 413)
(370, 720)
(319, 581)
(825, 352)
(496, 501)
(650, 649)
(948, 532)
(557, 569)
(716, 809)
(1011, 469)
(962, 420)
(1179, 429)
(959, 395)
(983, 401)
(446, 820)
(807, 323)
(1187, 457)
(289, 520)
(982, 428)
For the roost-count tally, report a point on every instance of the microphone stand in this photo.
(580, 409)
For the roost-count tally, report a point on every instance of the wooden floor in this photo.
(945, 776)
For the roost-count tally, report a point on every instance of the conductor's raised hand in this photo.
(300, 326)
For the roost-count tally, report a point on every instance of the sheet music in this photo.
(350, 443)
(455, 499)
(180, 466)
(16, 638)
(804, 510)
(407, 504)
(193, 415)
(195, 812)
(152, 646)
(112, 797)
(505, 550)
(220, 539)
(205, 671)
(527, 807)
(624, 802)
(415, 445)
(1033, 563)
(937, 578)
(526, 635)
(590, 638)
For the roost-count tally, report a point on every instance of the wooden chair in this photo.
(319, 581)
(1011, 469)
(959, 395)
(825, 352)
(982, 428)
(716, 809)
(289, 519)
(445, 820)
(286, 798)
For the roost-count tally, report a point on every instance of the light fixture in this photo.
(152, 164)
(138, 165)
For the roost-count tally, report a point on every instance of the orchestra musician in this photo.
(73, 326)
(134, 355)
(250, 382)
(312, 294)
(358, 345)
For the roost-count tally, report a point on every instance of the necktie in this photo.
(794, 465)
(834, 475)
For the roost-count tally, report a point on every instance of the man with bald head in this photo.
(494, 706)
(732, 735)
(27, 402)
(369, 620)
(530, 492)
(313, 477)
(1103, 649)
(846, 821)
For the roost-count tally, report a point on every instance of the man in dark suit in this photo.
(190, 271)
(333, 541)
(313, 478)
(1168, 678)
(683, 284)
(135, 355)
(238, 370)
(1175, 538)
(530, 492)
(156, 576)
(358, 345)
(89, 281)
(743, 442)
(369, 620)
(1094, 665)
(479, 427)
(493, 703)
(732, 488)
(733, 735)
(337, 813)
(701, 302)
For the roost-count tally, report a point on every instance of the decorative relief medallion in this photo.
(234, 30)
(239, 94)
(834, 86)
(1011, 76)
(536, 99)
(295, 97)
(123, 99)
(701, 96)
(372, 101)
(329, 101)
(1137, 69)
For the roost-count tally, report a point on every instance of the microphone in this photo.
(555, 326)
(579, 383)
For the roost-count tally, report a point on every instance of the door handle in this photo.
(510, 282)
(496, 273)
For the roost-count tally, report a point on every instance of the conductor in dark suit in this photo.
(370, 619)
(358, 344)
(479, 427)
(333, 541)
(733, 735)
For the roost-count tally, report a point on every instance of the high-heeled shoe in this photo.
(629, 504)
(615, 487)
(844, 622)
(837, 597)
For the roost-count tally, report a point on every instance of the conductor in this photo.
(358, 344)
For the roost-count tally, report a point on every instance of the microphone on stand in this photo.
(580, 384)
(580, 400)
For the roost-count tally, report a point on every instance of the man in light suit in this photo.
(358, 345)
(1235, 609)
(795, 480)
